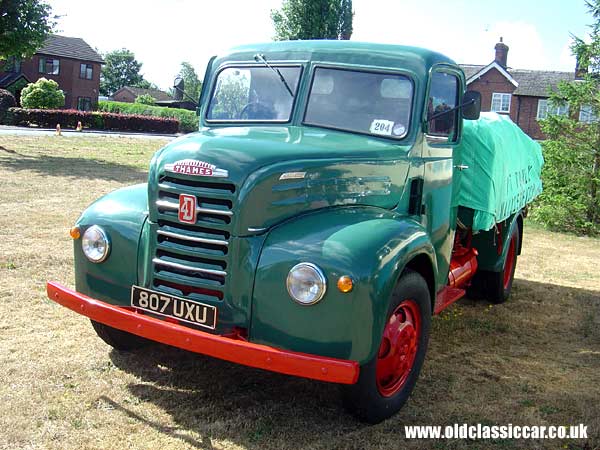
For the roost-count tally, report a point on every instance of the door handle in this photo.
(461, 167)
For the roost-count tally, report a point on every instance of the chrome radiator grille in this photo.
(193, 258)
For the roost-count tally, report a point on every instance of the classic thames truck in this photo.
(336, 196)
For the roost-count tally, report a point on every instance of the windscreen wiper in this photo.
(261, 58)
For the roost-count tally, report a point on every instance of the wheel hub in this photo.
(398, 348)
(510, 262)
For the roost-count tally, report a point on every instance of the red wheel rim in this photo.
(509, 265)
(398, 349)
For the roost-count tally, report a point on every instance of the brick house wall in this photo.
(523, 109)
(527, 116)
(68, 78)
(493, 81)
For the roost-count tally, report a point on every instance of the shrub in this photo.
(43, 94)
(188, 120)
(68, 118)
(7, 100)
(145, 99)
(564, 203)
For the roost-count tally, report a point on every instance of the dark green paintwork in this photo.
(341, 169)
(369, 244)
(122, 214)
(349, 214)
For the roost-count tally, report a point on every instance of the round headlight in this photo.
(306, 283)
(95, 244)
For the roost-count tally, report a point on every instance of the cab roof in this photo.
(419, 60)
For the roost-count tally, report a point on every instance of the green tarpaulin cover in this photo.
(504, 168)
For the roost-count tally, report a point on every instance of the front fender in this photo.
(121, 214)
(369, 244)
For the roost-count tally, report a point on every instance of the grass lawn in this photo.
(533, 361)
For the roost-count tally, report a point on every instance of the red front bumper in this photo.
(237, 351)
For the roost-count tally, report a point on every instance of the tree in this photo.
(24, 26)
(313, 19)
(571, 198)
(191, 82)
(43, 94)
(145, 99)
(121, 69)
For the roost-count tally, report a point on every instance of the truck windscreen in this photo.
(363, 102)
(253, 94)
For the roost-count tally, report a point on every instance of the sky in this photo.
(163, 33)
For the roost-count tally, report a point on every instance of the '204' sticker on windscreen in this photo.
(387, 128)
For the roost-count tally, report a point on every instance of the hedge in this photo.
(7, 101)
(188, 120)
(68, 118)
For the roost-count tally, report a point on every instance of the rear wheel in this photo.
(120, 340)
(496, 286)
(386, 381)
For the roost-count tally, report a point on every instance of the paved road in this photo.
(20, 131)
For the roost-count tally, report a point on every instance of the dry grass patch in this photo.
(532, 361)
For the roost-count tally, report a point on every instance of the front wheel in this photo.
(119, 340)
(386, 381)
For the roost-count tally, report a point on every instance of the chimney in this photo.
(580, 70)
(501, 53)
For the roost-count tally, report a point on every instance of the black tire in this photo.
(370, 399)
(496, 286)
(119, 340)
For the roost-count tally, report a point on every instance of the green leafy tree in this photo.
(345, 23)
(24, 26)
(571, 198)
(192, 84)
(145, 84)
(145, 99)
(121, 69)
(43, 94)
(313, 19)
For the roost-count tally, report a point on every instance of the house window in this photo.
(545, 108)
(84, 103)
(501, 102)
(586, 114)
(13, 64)
(86, 71)
(49, 66)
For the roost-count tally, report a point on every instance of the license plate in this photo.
(175, 307)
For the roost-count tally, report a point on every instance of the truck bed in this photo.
(504, 170)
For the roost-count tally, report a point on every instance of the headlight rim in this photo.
(321, 276)
(104, 235)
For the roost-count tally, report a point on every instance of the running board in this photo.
(446, 297)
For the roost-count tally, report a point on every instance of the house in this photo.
(69, 61)
(129, 94)
(521, 94)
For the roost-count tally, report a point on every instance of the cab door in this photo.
(441, 128)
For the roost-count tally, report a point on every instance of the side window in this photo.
(443, 96)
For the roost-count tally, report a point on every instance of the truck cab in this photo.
(307, 228)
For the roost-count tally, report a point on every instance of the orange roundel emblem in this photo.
(197, 168)
(187, 208)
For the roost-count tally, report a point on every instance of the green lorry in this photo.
(336, 196)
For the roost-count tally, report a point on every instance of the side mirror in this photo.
(471, 105)
(179, 88)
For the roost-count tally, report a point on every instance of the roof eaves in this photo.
(498, 67)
